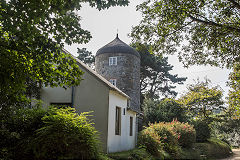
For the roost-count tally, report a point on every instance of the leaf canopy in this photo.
(202, 100)
(33, 34)
(200, 31)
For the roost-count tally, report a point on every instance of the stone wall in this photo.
(127, 73)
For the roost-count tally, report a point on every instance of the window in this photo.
(131, 126)
(113, 82)
(128, 103)
(112, 61)
(118, 121)
(124, 112)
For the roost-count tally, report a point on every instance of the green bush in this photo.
(66, 135)
(214, 149)
(203, 131)
(17, 132)
(47, 134)
(160, 140)
(149, 140)
(186, 133)
(169, 137)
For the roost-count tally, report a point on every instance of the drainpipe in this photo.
(72, 98)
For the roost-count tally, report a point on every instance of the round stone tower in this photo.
(120, 64)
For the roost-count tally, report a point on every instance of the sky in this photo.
(104, 25)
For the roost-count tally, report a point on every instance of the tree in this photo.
(234, 92)
(155, 79)
(165, 110)
(32, 37)
(201, 31)
(86, 56)
(201, 100)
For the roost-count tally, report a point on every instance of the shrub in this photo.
(47, 134)
(186, 133)
(66, 135)
(17, 132)
(158, 139)
(203, 131)
(149, 140)
(168, 137)
(213, 149)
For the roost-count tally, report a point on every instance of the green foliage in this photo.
(155, 79)
(17, 130)
(66, 134)
(149, 140)
(201, 100)
(135, 154)
(140, 154)
(186, 132)
(163, 111)
(213, 149)
(234, 92)
(203, 130)
(205, 31)
(86, 56)
(190, 153)
(33, 34)
(227, 130)
(52, 134)
(161, 139)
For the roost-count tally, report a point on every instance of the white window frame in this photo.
(113, 82)
(112, 61)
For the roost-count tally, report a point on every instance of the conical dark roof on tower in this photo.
(117, 46)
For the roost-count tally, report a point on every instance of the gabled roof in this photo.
(96, 75)
(117, 46)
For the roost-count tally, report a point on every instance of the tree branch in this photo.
(237, 5)
(211, 23)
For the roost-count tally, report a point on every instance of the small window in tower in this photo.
(112, 61)
(113, 81)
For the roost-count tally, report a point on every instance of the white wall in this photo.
(124, 141)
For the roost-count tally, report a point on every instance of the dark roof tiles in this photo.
(117, 46)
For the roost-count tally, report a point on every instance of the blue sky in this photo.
(103, 26)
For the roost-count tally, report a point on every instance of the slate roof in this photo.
(99, 77)
(117, 46)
